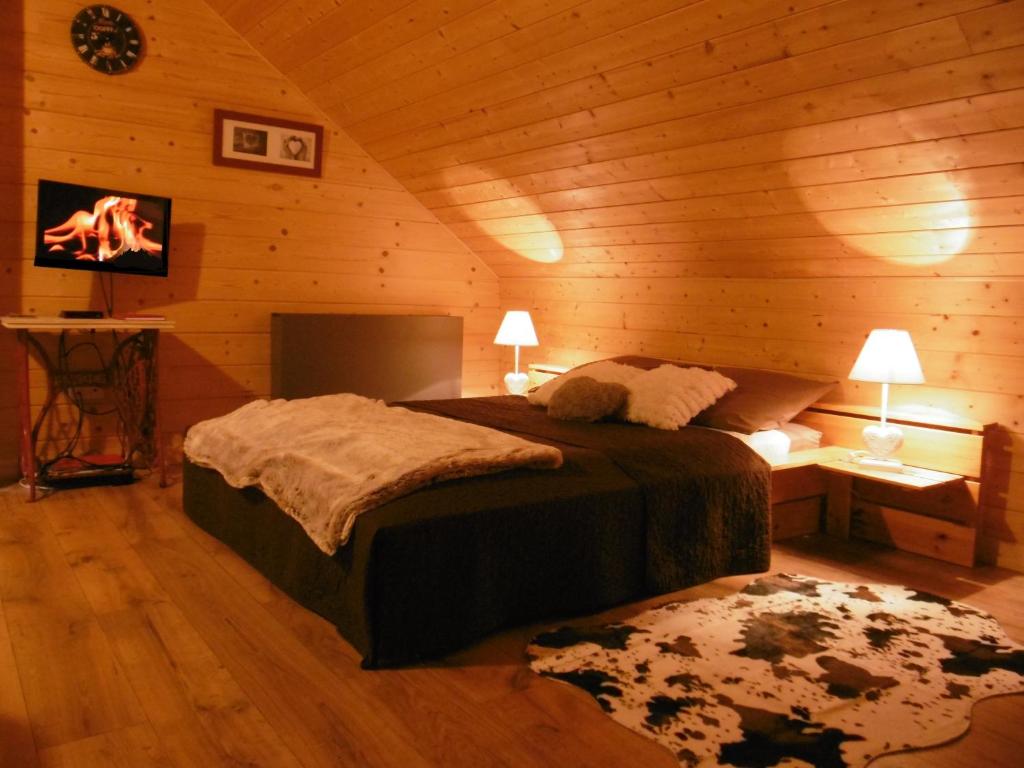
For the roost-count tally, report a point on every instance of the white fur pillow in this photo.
(669, 396)
(604, 371)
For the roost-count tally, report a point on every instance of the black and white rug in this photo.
(791, 671)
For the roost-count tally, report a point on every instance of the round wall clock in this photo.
(106, 39)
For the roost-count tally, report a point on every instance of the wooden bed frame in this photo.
(813, 491)
(817, 490)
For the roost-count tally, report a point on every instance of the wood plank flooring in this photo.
(128, 637)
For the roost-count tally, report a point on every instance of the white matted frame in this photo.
(267, 143)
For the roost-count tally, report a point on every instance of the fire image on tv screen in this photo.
(81, 227)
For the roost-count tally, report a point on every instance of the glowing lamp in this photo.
(516, 331)
(888, 357)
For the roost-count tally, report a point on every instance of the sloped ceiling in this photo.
(541, 130)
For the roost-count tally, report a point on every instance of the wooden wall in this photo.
(750, 181)
(244, 243)
(11, 92)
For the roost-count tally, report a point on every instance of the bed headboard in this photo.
(949, 445)
(391, 357)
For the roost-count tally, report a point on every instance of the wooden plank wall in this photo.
(244, 243)
(11, 169)
(751, 181)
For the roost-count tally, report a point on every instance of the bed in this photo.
(632, 512)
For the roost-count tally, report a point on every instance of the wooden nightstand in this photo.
(933, 511)
(919, 510)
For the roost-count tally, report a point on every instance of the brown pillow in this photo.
(586, 399)
(650, 363)
(761, 400)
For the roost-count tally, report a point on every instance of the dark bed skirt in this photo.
(403, 592)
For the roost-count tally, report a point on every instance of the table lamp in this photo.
(516, 331)
(888, 357)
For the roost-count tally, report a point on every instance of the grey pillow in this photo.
(586, 399)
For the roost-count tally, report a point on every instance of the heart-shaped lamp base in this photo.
(883, 441)
(516, 383)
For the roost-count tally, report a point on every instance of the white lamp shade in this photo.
(889, 357)
(517, 330)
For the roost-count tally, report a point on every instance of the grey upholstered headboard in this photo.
(391, 357)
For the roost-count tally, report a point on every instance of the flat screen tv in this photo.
(80, 227)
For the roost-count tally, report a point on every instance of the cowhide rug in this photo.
(791, 671)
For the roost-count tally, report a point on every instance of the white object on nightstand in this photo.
(516, 331)
(888, 357)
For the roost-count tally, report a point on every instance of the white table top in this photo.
(41, 323)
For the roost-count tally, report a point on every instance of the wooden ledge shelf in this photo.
(906, 477)
(811, 457)
(927, 418)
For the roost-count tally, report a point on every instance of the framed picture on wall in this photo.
(267, 143)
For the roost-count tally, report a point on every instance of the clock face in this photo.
(106, 39)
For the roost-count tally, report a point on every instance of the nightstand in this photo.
(919, 510)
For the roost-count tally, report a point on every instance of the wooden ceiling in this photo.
(583, 132)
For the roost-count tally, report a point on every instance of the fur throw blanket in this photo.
(324, 460)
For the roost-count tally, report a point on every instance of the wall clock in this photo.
(106, 39)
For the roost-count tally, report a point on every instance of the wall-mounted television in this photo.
(96, 228)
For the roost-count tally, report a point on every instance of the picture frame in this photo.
(267, 143)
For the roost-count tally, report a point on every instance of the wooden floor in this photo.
(130, 638)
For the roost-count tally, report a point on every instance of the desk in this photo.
(128, 377)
